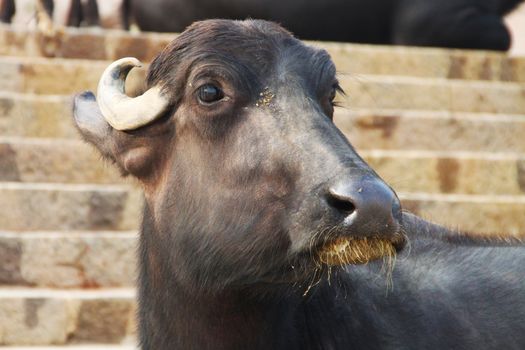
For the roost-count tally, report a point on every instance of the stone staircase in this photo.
(445, 128)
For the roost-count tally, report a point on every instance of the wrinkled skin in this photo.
(240, 194)
(472, 24)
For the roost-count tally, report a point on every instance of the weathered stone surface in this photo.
(350, 58)
(371, 91)
(81, 43)
(46, 262)
(65, 207)
(70, 259)
(485, 66)
(394, 92)
(103, 321)
(61, 161)
(424, 62)
(432, 130)
(144, 46)
(111, 261)
(58, 76)
(448, 169)
(477, 214)
(382, 60)
(50, 116)
(10, 261)
(36, 116)
(75, 162)
(449, 172)
(520, 174)
(53, 160)
(35, 321)
(9, 75)
(8, 164)
(487, 97)
(44, 317)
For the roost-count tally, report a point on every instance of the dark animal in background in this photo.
(470, 24)
(259, 215)
(7, 10)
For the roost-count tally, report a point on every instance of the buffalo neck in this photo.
(173, 316)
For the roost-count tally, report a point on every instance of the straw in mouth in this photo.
(356, 250)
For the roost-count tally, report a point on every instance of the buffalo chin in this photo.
(356, 250)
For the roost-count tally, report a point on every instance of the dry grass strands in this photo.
(352, 250)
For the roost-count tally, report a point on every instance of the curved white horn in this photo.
(121, 111)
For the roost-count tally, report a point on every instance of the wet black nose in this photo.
(368, 205)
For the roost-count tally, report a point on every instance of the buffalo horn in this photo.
(121, 111)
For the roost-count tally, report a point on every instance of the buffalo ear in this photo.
(135, 152)
(91, 124)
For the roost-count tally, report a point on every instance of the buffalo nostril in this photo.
(341, 202)
(370, 206)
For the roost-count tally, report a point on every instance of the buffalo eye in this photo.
(333, 93)
(209, 93)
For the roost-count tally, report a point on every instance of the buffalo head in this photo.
(247, 180)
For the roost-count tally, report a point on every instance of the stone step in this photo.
(55, 76)
(424, 62)
(54, 160)
(437, 94)
(85, 43)
(36, 115)
(349, 58)
(107, 259)
(432, 130)
(52, 317)
(46, 206)
(66, 76)
(450, 172)
(482, 214)
(71, 161)
(46, 76)
(92, 259)
(32, 115)
(363, 91)
(36, 316)
(114, 207)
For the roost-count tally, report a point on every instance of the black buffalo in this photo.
(263, 229)
(471, 24)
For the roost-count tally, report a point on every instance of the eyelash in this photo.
(338, 90)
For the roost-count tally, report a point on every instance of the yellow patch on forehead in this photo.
(352, 250)
(265, 98)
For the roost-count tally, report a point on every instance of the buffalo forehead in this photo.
(258, 51)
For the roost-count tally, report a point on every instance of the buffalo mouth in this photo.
(359, 250)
